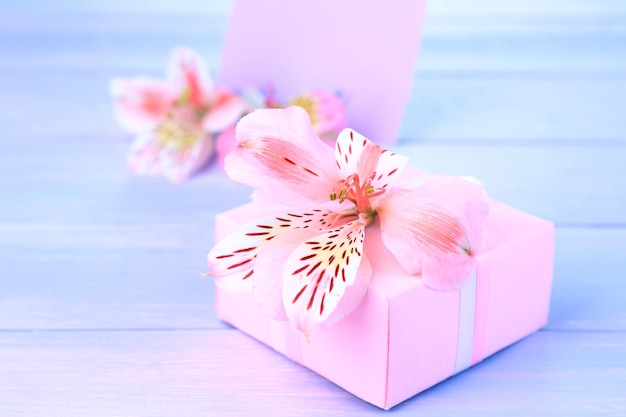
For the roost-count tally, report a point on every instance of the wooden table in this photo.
(103, 311)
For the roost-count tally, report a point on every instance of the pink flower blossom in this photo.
(307, 263)
(174, 119)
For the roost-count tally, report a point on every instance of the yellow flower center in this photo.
(178, 133)
(309, 104)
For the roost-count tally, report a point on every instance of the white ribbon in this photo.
(467, 316)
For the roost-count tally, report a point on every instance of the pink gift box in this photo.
(404, 337)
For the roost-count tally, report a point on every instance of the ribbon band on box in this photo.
(467, 325)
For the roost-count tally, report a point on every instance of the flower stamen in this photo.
(359, 193)
(178, 134)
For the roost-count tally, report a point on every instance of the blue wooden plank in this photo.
(223, 372)
(50, 188)
(507, 39)
(499, 8)
(535, 36)
(76, 276)
(524, 51)
(540, 108)
(166, 6)
(589, 291)
(438, 7)
(74, 41)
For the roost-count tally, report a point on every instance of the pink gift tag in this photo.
(365, 51)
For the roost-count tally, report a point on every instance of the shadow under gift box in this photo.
(404, 337)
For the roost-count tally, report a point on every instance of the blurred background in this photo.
(548, 70)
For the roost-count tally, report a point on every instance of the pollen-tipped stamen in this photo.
(358, 193)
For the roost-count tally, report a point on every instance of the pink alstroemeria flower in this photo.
(175, 118)
(325, 109)
(307, 263)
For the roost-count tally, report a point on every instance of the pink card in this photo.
(365, 51)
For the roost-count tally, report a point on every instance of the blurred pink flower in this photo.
(325, 109)
(308, 264)
(174, 119)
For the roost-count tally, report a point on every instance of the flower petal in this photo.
(226, 109)
(351, 298)
(140, 102)
(148, 157)
(318, 272)
(355, 154)
(281, 157)
(268, 283)
(436, 229)
(179, 164)
(233, 260)
(186, 71)
(144, 155)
